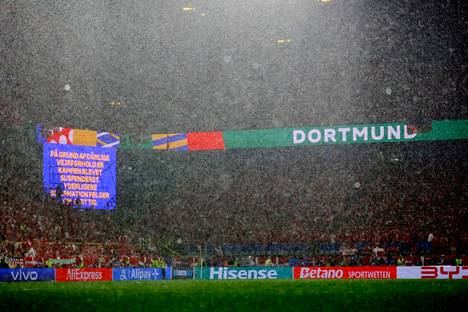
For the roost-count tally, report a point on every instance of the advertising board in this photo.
(182, 273)
(26, 275)
(137, 274)
(345, 272)
(83, 275)
(242, 273)
(435, 272)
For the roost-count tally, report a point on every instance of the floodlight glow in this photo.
(283, 41)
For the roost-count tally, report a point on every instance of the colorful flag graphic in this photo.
(60, 135)
(84, 137)
(108, 139)
(170, 141)
(204, 141)
(71, 136)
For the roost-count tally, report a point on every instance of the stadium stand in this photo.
(408, 214)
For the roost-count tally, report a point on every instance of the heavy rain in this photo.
(198, 134)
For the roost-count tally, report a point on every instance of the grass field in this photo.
(329, 295)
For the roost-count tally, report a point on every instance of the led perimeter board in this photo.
(82, 175)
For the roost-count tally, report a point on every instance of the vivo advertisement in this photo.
(26, 275)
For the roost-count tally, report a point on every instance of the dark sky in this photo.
(220, 66)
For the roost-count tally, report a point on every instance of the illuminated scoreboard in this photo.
(84, 176)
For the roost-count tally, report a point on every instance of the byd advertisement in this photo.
(433, 272)
(345, 272)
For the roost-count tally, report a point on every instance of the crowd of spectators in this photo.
(48, 233)
(331, 209)
(409, 219)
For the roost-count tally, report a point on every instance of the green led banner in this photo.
(442, 130)
(345, 134)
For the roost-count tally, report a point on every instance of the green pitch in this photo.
(334, 295)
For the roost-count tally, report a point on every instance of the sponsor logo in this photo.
(182, 273)
(77, 275)
(226, 273)
(344, 272)
(84, 275)
(123, 276)
(21, 275)
(137, 274)
(320, 273)
(444, 272)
